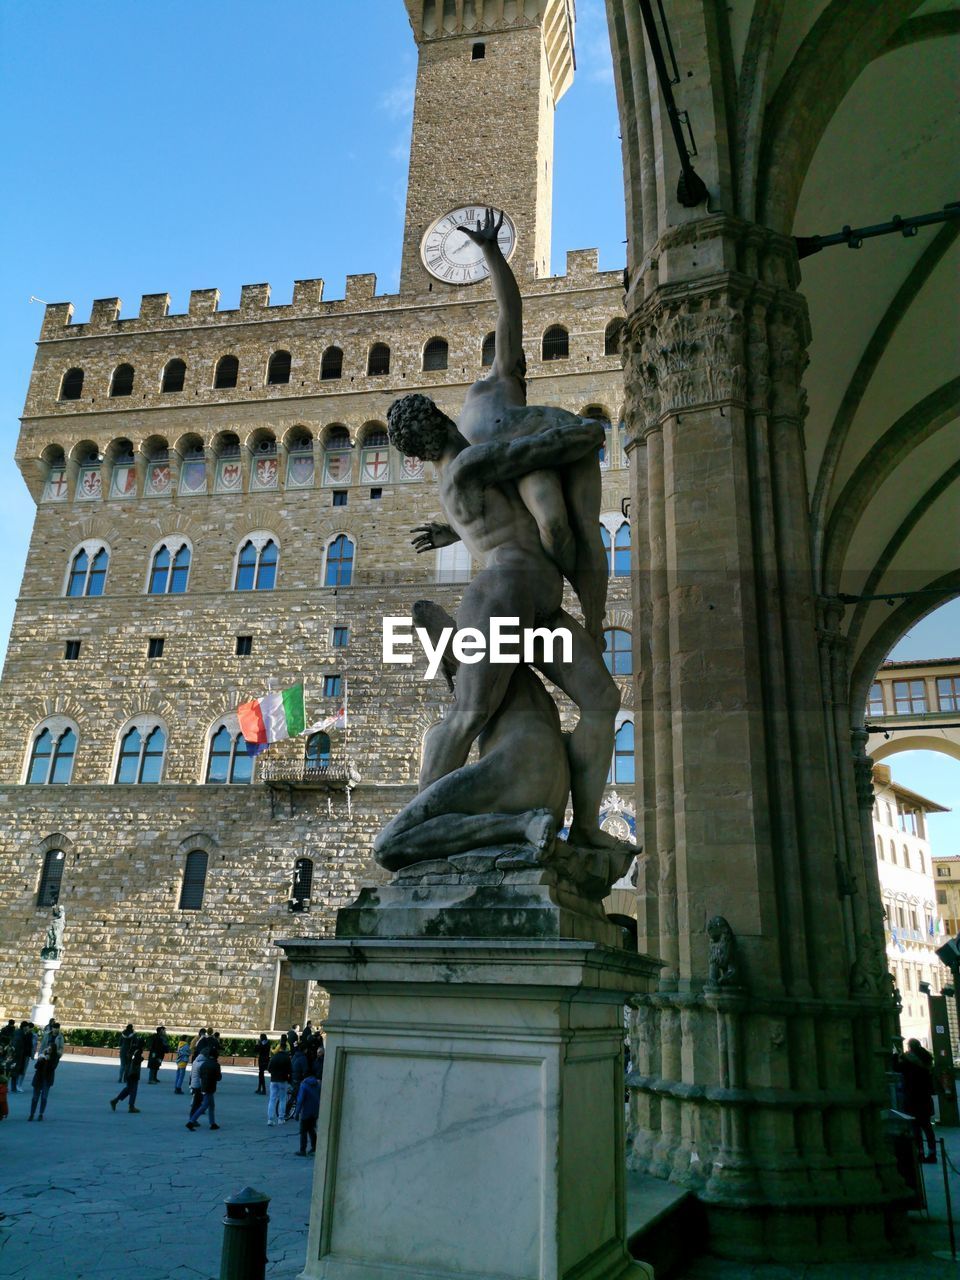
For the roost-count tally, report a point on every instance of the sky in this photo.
(164, 148)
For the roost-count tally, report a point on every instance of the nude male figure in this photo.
(564, 503)
(478, 488)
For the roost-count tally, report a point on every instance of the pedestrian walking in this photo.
(183, 1062)
(131, 1081)
(210, 1075)
(22, 1053)
(263, 1061)
(916, 1068)
(307, 1110)
(196, 1042)
(126, 1038)
(159, 1047)
(42, 1084)
(196, 1088)
(280, 1075)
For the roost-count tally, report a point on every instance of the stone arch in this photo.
(916, 742)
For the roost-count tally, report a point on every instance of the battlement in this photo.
(360, 294)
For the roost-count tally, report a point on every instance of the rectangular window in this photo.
(909, 697)
(244, 646)
(942, 897)
(155, 647)
(339, 497)
(71, 651)
(943, 873)
(341, 637)
(376, 493)
(875, 700)
(948, 693)
(331, 686)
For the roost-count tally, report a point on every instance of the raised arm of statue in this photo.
(500, 461)
(508, 357)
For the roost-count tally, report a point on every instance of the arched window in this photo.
(435, 354)
(906, 857)
(48, 893)
(228, 760)
(257, 565)
(170, 570)
(173, 376)
(278, 370)
(488, 351)
(194, 880)
(617, 652)
(893, 853)
(71, 385)
(378, 361)
(317, 752)
(331, 364)
(302, 883)
(51, 756)
(612, 338)
(121, 384)
(880, 849)
(338, 571)
(227, 372)
(621, 551)
(88, 572)
(621, 768)
(556, 343)
(141, 755)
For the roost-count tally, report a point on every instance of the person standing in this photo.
(298, 1071)
(210, 1075)
(280, 1076)
(307, 1110)
(4, 1105)
(196, 1087)
(293, 1036)
(183, 1062)
(131, 1081)
(263, 1061)
(196, 1043)
(159, 1047)
(126, 1038)
(916, 1068)
(22, 1053)
(42, 1083)
(52, 1042)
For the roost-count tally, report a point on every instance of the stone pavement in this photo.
(139, 1197)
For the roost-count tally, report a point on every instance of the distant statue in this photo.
(520, 486)
(53, 950)
(723, 954)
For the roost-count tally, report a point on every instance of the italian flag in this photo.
(271, 719)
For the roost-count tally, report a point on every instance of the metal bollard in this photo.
(244, 1255)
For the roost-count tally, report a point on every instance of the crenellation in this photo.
(104, 312)
(203, 302)
(154, 306)
(307, 293)
(254, 296)
(360, 288)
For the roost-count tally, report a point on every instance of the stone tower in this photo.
(489, 77)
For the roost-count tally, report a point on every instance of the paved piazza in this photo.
(90, 1193)
(139, 1197)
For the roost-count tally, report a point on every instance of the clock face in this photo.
(453, 257)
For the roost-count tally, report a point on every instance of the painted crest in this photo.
(124, 483)
(338, 466)
(300, 470)
(158, 478)
(412, 468)
(265, 473)
(90, 484)
(376, 464)
(56, 490)
(193, 476)
(230, 476)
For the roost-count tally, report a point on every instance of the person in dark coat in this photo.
(263, 1061)
(210, 1076)
(280, 1074)
(916, 1068)
(42, 1084)
(298, 1070)
(159, 1047)
(22, 1053)
(308, 1108)
(126, 1038)
(131, 1081)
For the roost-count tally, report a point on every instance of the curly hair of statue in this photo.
(416, 426)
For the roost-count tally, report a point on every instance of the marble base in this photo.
(43, 1010)
(471, 1119)
(41, 1014)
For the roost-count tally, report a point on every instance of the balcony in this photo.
(338, 775)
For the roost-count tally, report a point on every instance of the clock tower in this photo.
(489, 77)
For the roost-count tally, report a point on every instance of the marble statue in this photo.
(53, 949)
(520, 486)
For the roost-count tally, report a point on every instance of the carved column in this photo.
(760, 1090)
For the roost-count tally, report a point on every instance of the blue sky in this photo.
(151, 148)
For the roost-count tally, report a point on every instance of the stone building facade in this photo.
(218, 514)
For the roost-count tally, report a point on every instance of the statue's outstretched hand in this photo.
(433, 535)
(484, 232)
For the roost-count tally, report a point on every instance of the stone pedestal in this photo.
(43, 1010)
(472, 1111)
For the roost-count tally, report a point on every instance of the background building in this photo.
(219, 512)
